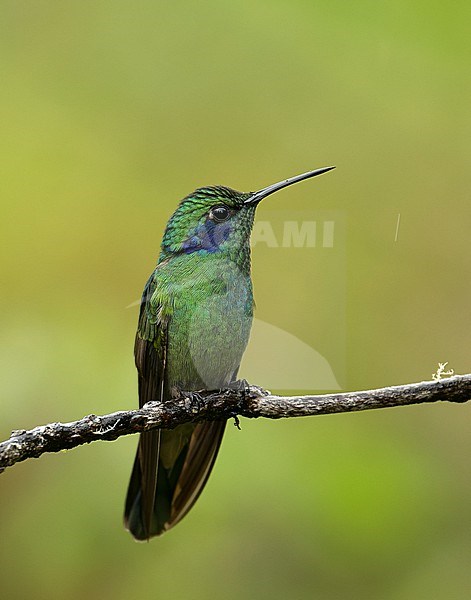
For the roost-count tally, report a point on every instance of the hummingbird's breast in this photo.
(212, 310)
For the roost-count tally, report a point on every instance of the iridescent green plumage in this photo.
(194, 324)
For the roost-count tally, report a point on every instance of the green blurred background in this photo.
(111, 111)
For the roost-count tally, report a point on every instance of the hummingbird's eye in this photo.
(219, 213)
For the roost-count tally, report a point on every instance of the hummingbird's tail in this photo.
(159, 495)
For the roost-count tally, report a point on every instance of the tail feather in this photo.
(175, 489)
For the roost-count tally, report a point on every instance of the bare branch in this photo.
(252, 402)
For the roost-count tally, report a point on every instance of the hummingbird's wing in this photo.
(150, 351)
(162, 490)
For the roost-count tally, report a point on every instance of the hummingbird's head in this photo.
(218, 219)
(209, 220)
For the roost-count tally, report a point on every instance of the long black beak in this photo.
(257, 196)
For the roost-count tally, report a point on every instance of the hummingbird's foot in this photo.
(239, 385)
(242, 385)
(237, 422)
(194, 400)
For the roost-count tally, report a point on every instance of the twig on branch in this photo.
(252, 402)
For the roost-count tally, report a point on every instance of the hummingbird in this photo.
(194, 323)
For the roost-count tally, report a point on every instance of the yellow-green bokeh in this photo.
(111, 111)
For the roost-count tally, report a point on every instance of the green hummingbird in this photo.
(194, 324)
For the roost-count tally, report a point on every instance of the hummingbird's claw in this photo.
(195, 400)
(239, 385)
